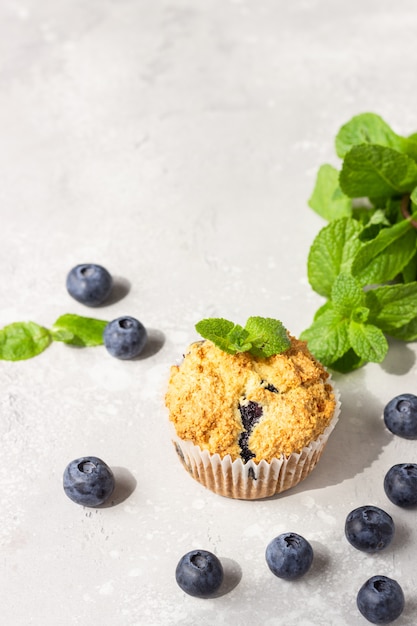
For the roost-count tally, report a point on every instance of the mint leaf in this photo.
(392, 306)
(328, 336)
(214, 326)
(323, 308)
(408, 332)
(332, 253)
(238, 339)
(376, 222)
(268, 336)
(360, 314)
(227, 336)
(347, 295)
(365, 263)
(261, 336)
(367, 128)
(23, 340)
(348, 362)
(368, 342)
(216, 329)
(327, 199)
(410, 146)
(409, 272)
(377, 171)
(384, 257)
(78, 330)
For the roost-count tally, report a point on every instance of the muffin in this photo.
(250, 427)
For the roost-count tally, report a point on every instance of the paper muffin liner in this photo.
(251, 480)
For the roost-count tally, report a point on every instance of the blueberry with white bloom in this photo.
(289, 556)
(400, 416)
(400, 484)
(369, 529)
(89, 284)
(125, 337)
(88, 481)
(380, 600)
(199, 573)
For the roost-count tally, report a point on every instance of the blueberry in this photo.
(400, 484)
(400, 416)
(88, 481)
(289, 556)
(125, 337)
(269, 386)
(369, 528)
(380, 600)
(250, 414)
(199, 573)
(89, 284)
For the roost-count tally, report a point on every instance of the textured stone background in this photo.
(176, 142)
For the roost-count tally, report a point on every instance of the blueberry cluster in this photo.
(400, 482)
(89, 481)
(91, 284)
(371, 529)
(368, 528)
(200, 573)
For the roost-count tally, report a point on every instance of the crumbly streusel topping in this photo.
(213, 395)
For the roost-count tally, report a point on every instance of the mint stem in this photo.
(405, 200)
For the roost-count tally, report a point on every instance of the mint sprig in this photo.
(78, 330)
(364, 261)
(262, 336)
(25, 340)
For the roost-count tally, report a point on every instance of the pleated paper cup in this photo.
(251, 480)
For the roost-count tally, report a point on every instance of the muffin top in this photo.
(249, 407)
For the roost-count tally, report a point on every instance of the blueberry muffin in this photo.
(249, 427)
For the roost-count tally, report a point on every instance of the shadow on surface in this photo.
(120, 289)
(322, 560)
(410, 610)
(154, 344)
(232, 576)
(402, 536)
(400, 358)
(357, 440)
(125, 485)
